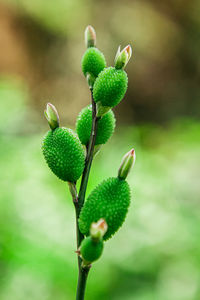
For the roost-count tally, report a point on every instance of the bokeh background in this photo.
(156, 255)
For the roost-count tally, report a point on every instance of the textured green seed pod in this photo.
(110, 87)
(109, 200)
(93, 61)
(64, 153)
(91, 250)
(105, 128)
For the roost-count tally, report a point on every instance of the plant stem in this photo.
(83, 271)
(89, 157)
(82, 279)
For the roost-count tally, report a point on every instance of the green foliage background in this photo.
(156, 254)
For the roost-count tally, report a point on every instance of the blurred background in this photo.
(156, 254)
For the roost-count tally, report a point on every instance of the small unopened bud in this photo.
(127, 162)
(51, 115)
(97, 230)
(122, 57)
(90, 36)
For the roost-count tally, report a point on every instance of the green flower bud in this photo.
(105, 127)
(90, 250)
(93, 62)
(109, 200)
(122, 57)
(90, 36)
(52, 116)
(110, 87)
(64, 153)
(127, 162)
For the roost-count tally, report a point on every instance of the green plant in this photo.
(105, 210)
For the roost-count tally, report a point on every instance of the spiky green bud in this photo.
(126, 164)
(93, 62)
(110, 87)
(64, 154)
(105, 128)
(109, 200)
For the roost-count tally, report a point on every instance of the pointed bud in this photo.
(51, 115)
(122, 57)
(97, 230)
(90, 36)
(127, 162)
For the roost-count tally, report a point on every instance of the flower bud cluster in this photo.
(64, 150)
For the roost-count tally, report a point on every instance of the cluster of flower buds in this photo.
(109, 84)
(64, 150)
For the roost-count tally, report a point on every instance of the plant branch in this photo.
(79, 201)
(89, 158)
(82, 279)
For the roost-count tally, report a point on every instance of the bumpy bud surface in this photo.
(93, 62)
(109, 200)
(90, 250)
(64, 154)
(110, 87)
(105, 128)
